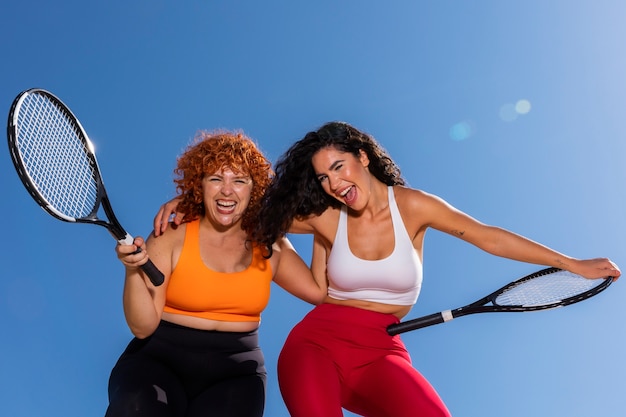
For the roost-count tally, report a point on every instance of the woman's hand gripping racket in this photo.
(542, 290)
(55, 160)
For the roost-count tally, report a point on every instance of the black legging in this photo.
(183, 372)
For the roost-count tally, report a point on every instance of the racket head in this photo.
(53, 156)
(547, 288)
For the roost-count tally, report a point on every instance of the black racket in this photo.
(55, 160)
(542, 290)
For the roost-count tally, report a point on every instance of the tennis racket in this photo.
(542, 290)
(56, 162)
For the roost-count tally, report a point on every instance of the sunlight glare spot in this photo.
(522, 106)
(508, 113)
(461, 131)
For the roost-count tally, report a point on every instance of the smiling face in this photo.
(343, 176)
(226, 196)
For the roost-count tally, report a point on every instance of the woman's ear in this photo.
(365, 160)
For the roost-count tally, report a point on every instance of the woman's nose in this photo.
(333, 182)
(227, 188)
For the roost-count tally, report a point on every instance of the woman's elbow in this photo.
(314, 298)
(141, 331)
(319, 297)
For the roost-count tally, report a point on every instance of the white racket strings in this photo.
(55, 157)
(546, 289)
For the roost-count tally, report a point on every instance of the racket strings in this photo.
(545, 289)
(55, 157)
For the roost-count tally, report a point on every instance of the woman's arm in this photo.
(293, 275)
(143, 302)
(319, 262)
(501, 242)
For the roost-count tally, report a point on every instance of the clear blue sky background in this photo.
(436, 82)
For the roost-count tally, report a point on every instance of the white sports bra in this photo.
(397, 279)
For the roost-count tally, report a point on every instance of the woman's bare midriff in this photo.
(397, 310)
(206, 324)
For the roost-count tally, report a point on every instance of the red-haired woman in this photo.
(196, 350)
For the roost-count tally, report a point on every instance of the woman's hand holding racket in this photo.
(132, 255)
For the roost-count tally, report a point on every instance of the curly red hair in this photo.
(212, 151)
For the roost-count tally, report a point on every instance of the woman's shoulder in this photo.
(411, 195)
(412, 200)
(173, 233)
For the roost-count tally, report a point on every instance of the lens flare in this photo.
(508, 113)
(461, 131)
(522, 106)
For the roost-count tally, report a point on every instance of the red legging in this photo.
(341, 356)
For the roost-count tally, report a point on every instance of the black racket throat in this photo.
(114, 227)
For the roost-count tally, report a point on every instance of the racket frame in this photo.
(481, 305)
(101, 199)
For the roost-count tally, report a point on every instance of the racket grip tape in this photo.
(156, 276)
(419, 323)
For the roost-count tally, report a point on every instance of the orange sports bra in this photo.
(195, 290)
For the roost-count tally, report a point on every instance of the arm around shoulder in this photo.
(294, 276)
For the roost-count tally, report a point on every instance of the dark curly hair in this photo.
(210, 152)
(295, 191)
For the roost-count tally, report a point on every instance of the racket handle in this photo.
(156, 276)
(418, 323)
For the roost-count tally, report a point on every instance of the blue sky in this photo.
(437, 82)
